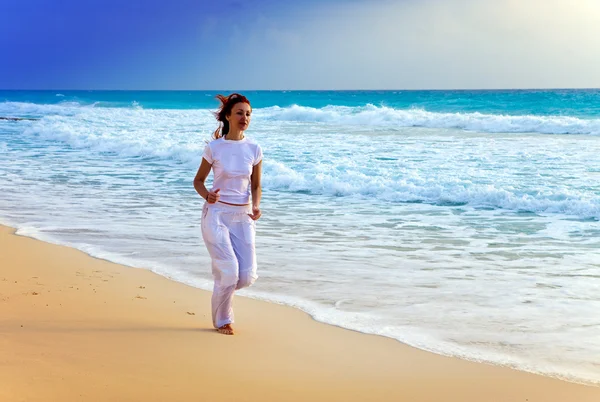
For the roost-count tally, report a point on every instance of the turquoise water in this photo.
(460, 222)
(575, 103)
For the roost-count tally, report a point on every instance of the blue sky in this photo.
(310, 44)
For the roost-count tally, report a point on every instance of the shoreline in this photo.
(82, 328)
(308, 309)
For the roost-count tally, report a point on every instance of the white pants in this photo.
(229, 234)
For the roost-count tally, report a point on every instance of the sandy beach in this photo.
(76, 328)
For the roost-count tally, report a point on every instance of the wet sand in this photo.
(76, 328)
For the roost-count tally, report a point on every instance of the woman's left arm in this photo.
(256, 190)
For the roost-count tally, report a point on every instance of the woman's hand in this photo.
(213, 196)
(255, 213)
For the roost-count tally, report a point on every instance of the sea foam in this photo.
(173, 136)
(369, 115)
(417, 225)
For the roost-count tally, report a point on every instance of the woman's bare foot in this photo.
(225, 329)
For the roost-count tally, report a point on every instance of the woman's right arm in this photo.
(210, 196)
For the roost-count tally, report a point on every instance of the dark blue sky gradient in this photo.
(111, 44)
(301, 44)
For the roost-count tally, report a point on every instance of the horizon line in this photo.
(313, 90)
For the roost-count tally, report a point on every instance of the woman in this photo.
(232, 205)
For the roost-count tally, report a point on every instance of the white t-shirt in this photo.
(232, 163)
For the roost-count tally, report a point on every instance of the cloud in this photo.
(428, 44)
(313, 44)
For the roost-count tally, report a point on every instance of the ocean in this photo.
(465, 223)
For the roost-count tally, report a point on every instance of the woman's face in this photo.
(240, 116)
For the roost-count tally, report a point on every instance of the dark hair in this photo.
(227, 104)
